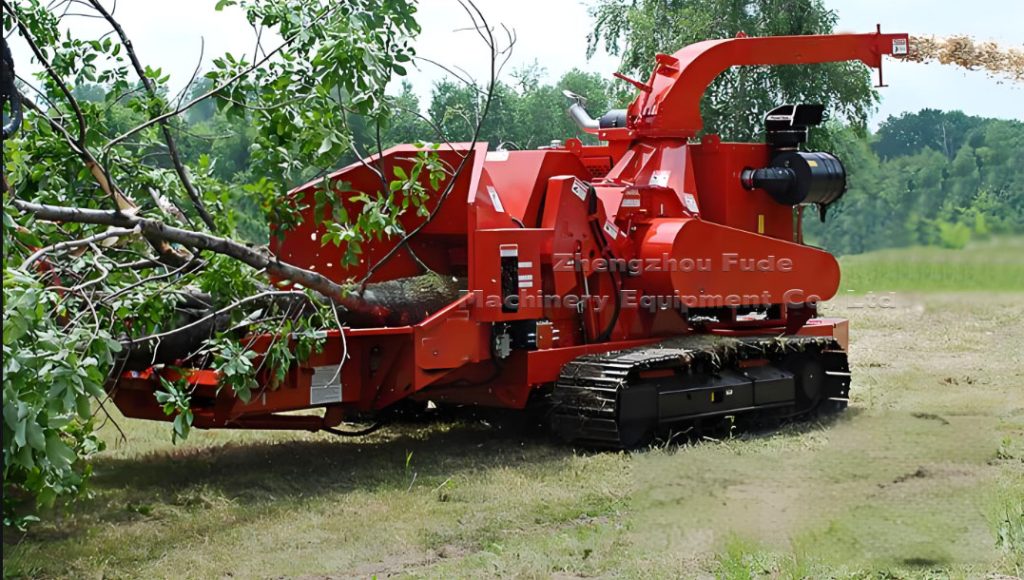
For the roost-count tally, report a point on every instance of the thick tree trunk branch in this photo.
(198, 240)
(183, 342)
(391, 303)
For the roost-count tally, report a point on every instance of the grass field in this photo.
(922, 477)
(990, 265)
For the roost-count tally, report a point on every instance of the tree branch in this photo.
(234, 78)
(60, 247)
(198, 240)
(123, 202)
(225, 310)
(172, 146)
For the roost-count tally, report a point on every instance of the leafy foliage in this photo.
(175, 402)
(235, 363)
(53, 373)
(298, 105)
(102, 131)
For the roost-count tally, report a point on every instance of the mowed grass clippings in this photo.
(922, 477)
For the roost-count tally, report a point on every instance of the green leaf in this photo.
(113, 344)
(84, 406)
(243, 392)
(35, 436)
(19, 432)
(24, 458)
(326, 145)
(10, 413)
(58, 451)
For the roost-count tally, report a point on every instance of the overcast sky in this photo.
(553, 33)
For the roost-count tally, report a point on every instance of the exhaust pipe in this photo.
(580, 115)
(614, 119)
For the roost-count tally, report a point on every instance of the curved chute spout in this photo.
(671, 106)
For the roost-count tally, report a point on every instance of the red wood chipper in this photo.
(655, 279)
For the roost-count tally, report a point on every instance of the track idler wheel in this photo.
(808, 376)
(813, 385)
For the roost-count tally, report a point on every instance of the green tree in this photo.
(527, 115)
(541, 113)
(457, 108)
(407, 124)
(942, 131)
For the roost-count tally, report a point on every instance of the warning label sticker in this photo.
(899, 46)
(691, 203)
(495, 200)
(325, 386)
(611, 230)
(660, 178)
(580, 189)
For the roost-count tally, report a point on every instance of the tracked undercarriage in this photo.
(622, 399)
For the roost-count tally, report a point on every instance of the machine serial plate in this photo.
(325, 386)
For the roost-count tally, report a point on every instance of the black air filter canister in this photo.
(797, 177)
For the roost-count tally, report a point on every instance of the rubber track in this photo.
(586, 394)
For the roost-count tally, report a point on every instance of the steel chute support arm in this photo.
(669, 104)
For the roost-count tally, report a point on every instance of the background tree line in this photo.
(928, 178)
